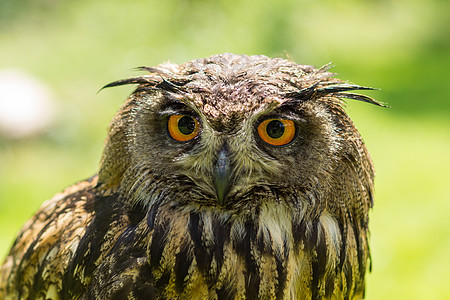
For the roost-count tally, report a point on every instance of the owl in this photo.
(227, 177)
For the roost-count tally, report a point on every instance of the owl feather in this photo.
(227, 177)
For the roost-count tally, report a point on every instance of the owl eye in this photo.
(277, 132)
(183, 128)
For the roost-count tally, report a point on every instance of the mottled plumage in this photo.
(225, 214)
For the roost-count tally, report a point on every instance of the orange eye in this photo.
(183, 128)
(277, 132)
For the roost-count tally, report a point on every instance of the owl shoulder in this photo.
(47, 243)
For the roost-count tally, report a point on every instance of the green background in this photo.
(401, 47)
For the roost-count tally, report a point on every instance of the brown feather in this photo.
(293, 223)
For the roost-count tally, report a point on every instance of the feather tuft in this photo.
(334, 88)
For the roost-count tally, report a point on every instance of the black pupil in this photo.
(186, 125)
(275, 129)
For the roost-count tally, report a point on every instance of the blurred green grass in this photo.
(400, 46)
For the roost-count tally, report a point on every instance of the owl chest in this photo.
(200, 256)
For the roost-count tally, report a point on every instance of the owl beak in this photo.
(222, 172)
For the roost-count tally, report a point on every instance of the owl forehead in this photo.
(227, 97)
(224, 104)
(227, 89)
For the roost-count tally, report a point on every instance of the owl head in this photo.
(232, 131)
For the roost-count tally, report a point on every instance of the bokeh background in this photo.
(55, 55)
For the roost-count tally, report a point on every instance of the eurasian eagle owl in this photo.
(227, 177)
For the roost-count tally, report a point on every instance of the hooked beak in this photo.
(222, 175)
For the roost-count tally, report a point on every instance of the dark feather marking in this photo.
(134, 80)
(349, 280)
(124, 291)
(93, 239)
(201, 252)
(281, 270)
(159, 239)
(303, 94)
(343, 249)
(183, 261)
(362, 98)
(329, 284)
(39, 282)
(298, 232)
(168, 86)
(319, 262)
(163, 281)
(127, 238)
(370, 257)
(332, 88)
(146, 289)
(370, 192)
(221, 235)
(311, 237)
(124, 259)
(263, 246)
(136, 215)
(243, 248)
(151, 216)
(359, 251)
(163, 83)
(226, 293)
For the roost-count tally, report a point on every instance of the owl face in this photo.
(225, 132)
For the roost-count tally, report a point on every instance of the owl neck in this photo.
(266, 253)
